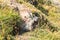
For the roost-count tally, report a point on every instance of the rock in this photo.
(56, 3)
(25, 14)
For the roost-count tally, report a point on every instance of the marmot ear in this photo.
(16, 9)
(36, 14)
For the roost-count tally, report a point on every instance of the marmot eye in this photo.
(25, 16)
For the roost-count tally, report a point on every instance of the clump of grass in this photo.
(8, 19)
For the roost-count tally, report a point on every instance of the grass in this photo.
(9, 17)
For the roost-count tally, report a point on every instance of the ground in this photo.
(43, 30)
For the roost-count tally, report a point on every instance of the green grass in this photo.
(9, 17)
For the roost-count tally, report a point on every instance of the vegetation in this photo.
(8, 19)
(48, 27)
